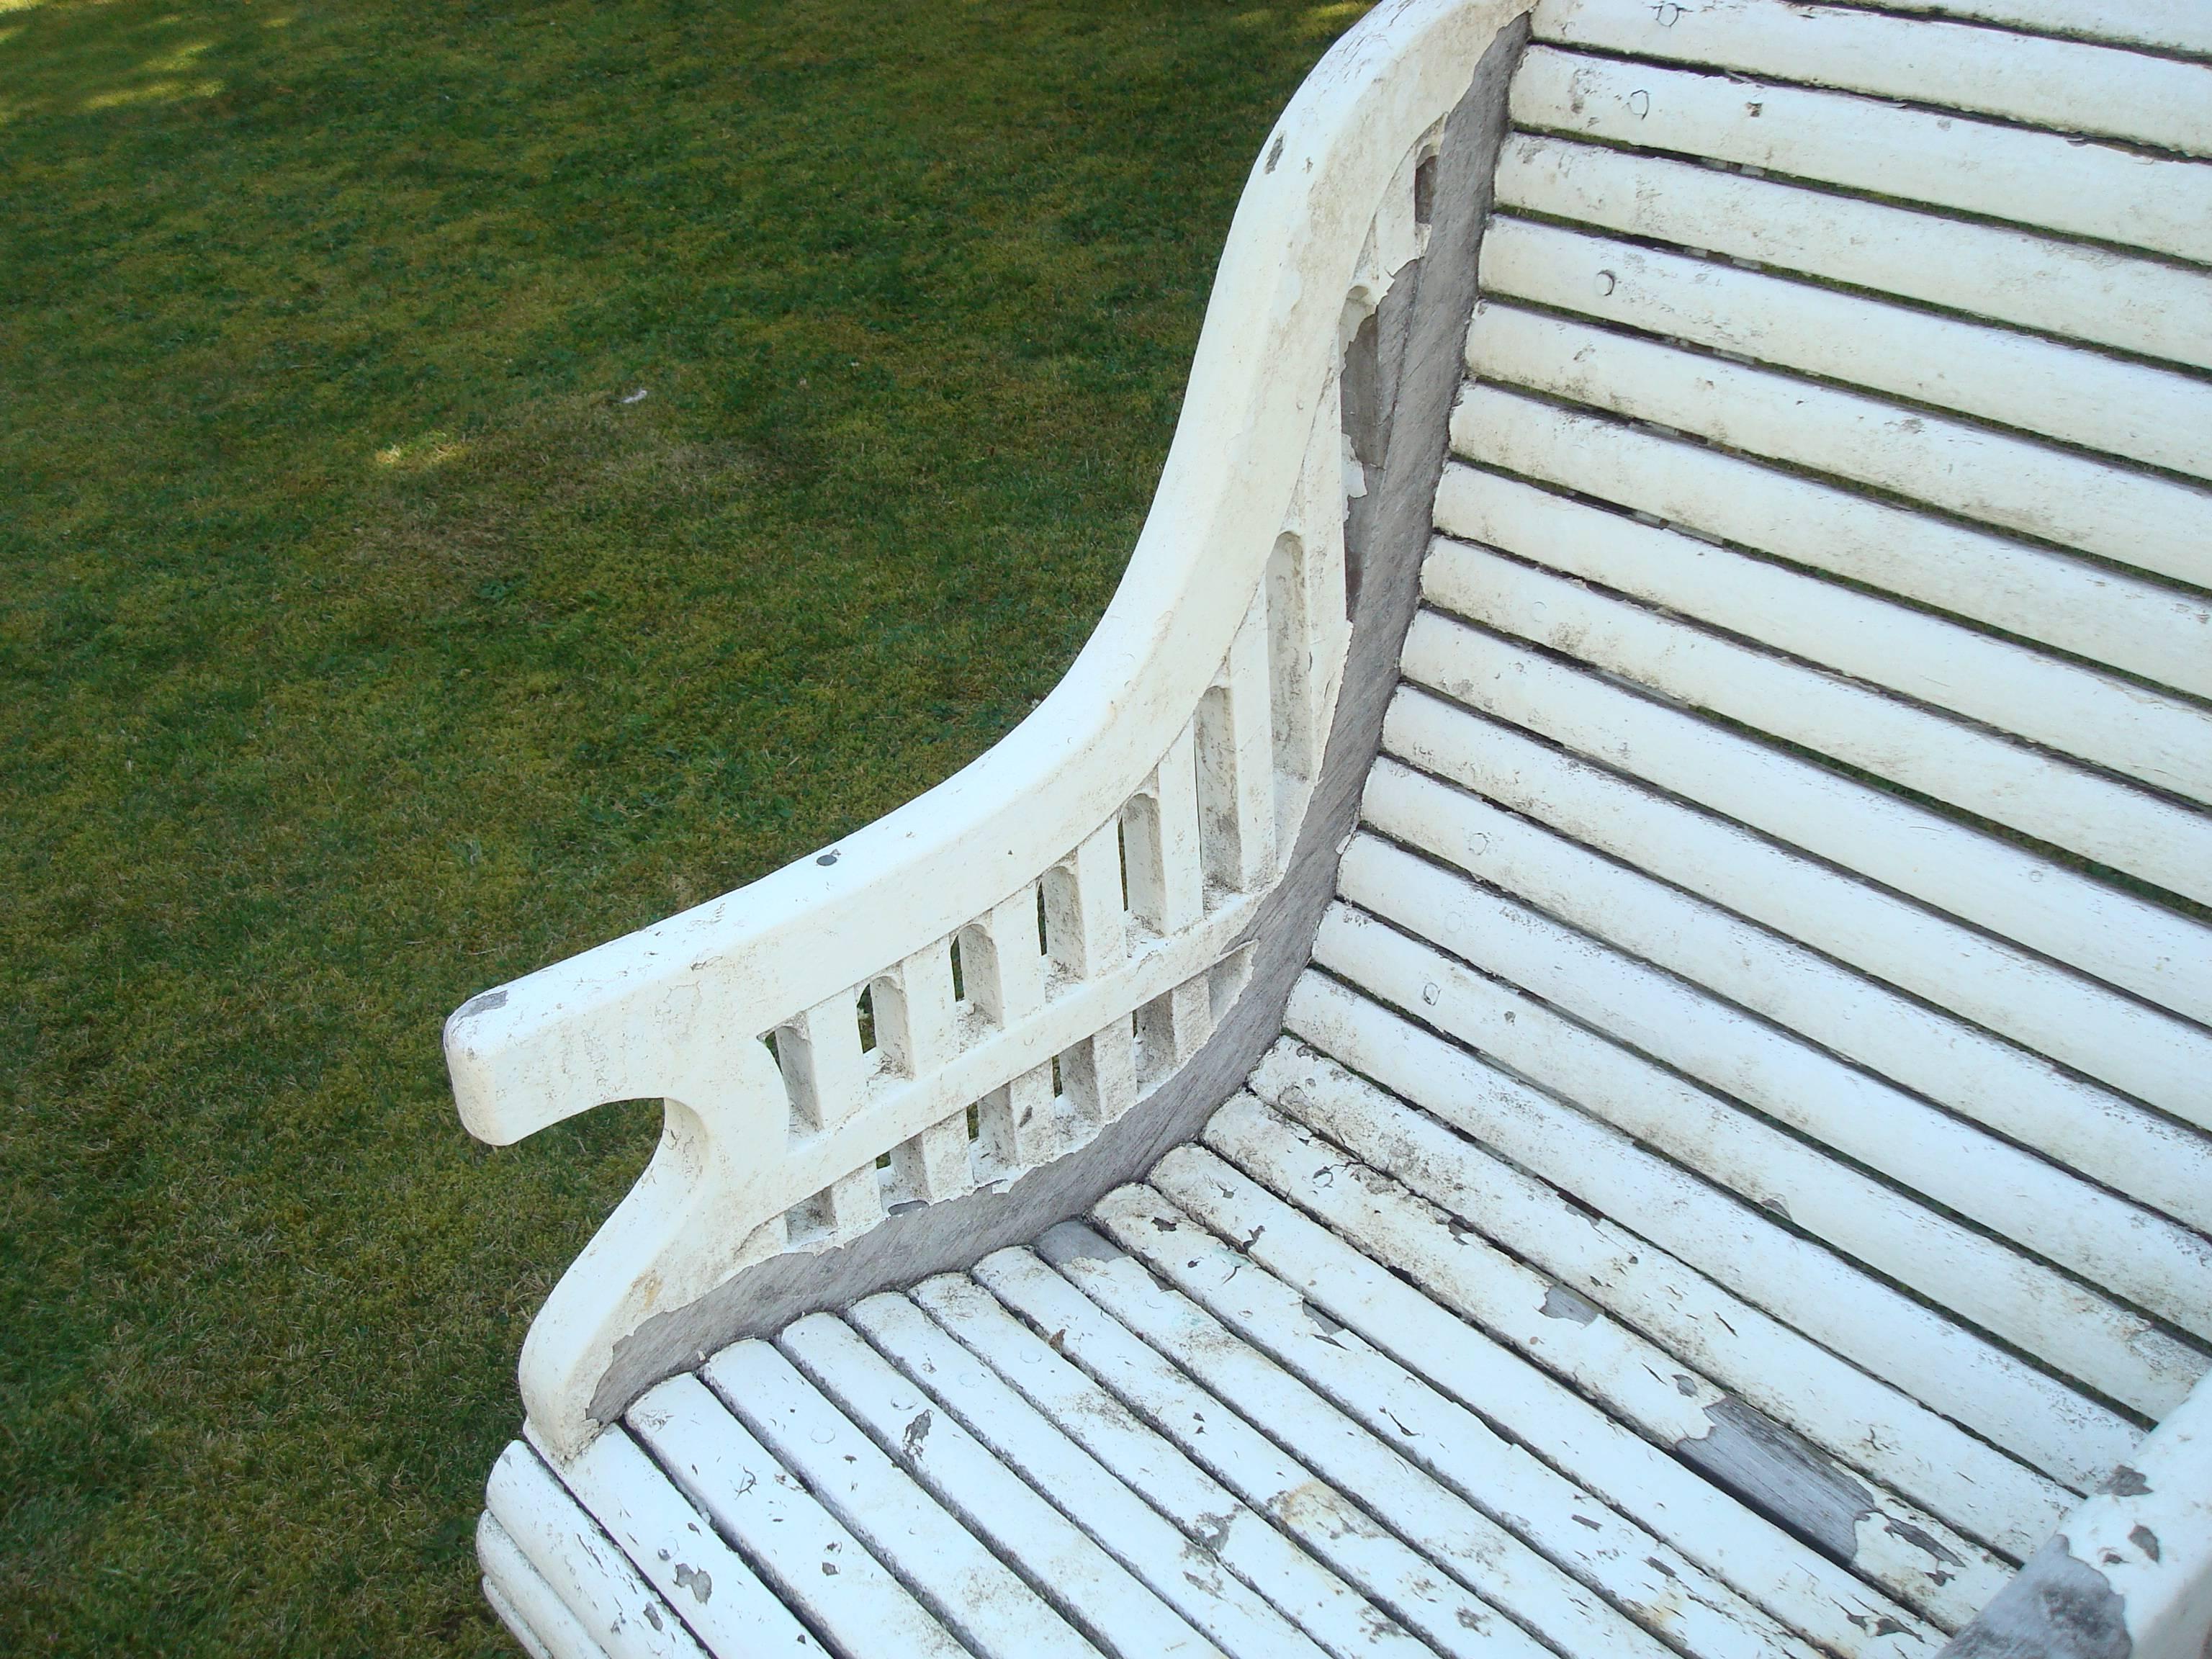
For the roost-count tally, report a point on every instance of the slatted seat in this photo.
(1650, 1091)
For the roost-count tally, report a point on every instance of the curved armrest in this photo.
(1015, 1006)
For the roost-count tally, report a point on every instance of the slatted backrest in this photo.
(1816, 669)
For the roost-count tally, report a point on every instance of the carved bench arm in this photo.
(1084, 882)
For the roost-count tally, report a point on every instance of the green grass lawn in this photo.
(365, 644)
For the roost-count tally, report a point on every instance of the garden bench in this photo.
(1585, 1027)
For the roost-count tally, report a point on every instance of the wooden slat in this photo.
(1409, 1399)
(1237, 761)
(1274, 1324)
(993, 1612)
(2074, 1020)
(2146, 1156)
(1529, 1593)
(2161, 740)
(536, 1617)
(1620, 1384)
(2146, 307)
(1085, 1584)
(814, 1563)
(2065, 86)
(2133, 518)
(2160, 841)
(1228, 1531)
(2136, 1255)
(2038, 179)
(2173, 25)
(2126, 941)
(2084, 398)
(2069, 1327)
(1439, 1240)
(672, 1546)
(618, 1611)
(1802, 1284)
(1179, 1571)
(1213, 1434)
(2158, 633)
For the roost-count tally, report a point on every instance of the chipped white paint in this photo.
(1311, 1510)
(2070, 290)
(2132, 518)
(1729, 1185)
(984, 1601)
(525, 1603)
(2150, 1532)
(2084, 398)
(2065, 86)
(2154, 632)
(811, 1559)
(1211, 1516)
(606, 1596)
(1163, 735)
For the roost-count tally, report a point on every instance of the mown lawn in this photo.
(365, 641)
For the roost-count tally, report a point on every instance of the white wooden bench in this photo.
(1594, 1039)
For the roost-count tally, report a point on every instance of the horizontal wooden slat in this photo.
(2125, 1042)
(2147, 1156)
(2133, 1047)
(1068, 1567)
(1231, 1532)
(1979, 773)
(1526, 1590)
(2065, 86)
(1625, 1380)
(2123, 409)
(1180, 1572)
(2132, 518)
(2092, 611)
(2161, 740)
(995, 1614)
(2175, 25)
(2037, 179)
(1243, 1459)
(2131, 1253)
(2117, 1352)
(2074, 292)
(1803, 1284)
(1644, 1577)
(618, 1611)
(534, 1615)
(670, 1544)
(1869, 1424)
(816, 1564)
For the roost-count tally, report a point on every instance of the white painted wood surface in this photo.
(2070, 290)
(2163, 741)
(2098, 191)
(2083, 398)
(2131, 518)
(1737, 1176)
(1321, 1603)
(2173, 25)
(1177, 1570)
(2063, 86)
(1177, 689)
(2146, 630)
